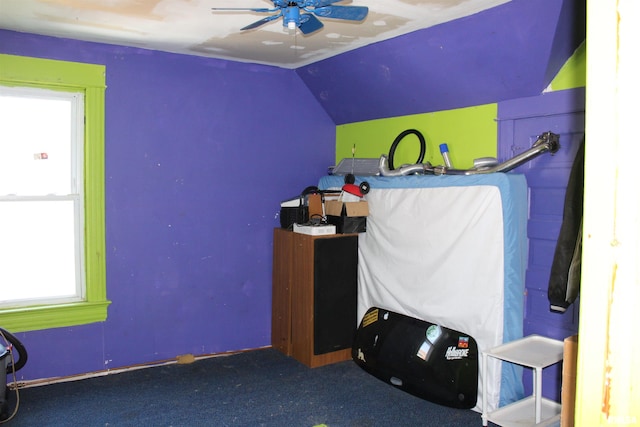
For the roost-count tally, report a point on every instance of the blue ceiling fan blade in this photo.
(261, 22)
(351, 13)
(309, 23)
(317, 3)
(247, 9)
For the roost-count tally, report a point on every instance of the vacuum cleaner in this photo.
(13, 357)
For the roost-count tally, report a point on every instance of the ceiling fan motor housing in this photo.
(291, 17)
(307, 22)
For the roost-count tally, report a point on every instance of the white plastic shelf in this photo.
(523, 413)
(536, 352)
(533, 351)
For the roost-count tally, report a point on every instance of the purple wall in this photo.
(510, 51)
(520, 121)
(199, 153)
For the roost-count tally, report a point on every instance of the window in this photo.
(41, 203)
(51, 193)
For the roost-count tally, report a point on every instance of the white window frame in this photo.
(76, 195)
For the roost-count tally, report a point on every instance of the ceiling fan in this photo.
(302, 14)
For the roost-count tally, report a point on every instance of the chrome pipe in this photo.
(547, 142)
(418, 168)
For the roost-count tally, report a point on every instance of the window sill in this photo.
(34, 318)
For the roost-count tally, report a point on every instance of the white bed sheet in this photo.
(452, 251)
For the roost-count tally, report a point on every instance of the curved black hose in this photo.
(394, 145)
(20, 349)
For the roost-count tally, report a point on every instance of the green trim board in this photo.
(90, 80)
(49, 73)
(469, 132)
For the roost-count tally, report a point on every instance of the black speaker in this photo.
(335, 293)
(427, 360)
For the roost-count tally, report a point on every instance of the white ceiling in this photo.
(190, 27)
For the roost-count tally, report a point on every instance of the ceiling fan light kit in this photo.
(303, 14)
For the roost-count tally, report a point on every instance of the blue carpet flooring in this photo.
(253, 389)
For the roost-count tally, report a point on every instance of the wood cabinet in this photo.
(314, 300)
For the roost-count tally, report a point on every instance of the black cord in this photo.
(423, 146)
(22, 351)
(11, 369)
(315, 220)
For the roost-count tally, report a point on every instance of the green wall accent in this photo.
(469, 132)
(574, 72)
(90, 80)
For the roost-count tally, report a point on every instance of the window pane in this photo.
(41, 260)
(35, 144)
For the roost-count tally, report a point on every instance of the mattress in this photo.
(450, 250)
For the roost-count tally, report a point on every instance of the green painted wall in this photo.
(470, 132)
(574, 72)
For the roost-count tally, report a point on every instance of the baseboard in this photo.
(182, 359)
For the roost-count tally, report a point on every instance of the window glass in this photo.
(38, 250)
(36, 142)
(41, 210)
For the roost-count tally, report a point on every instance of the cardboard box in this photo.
(569, 367)
(348, 217)
(314, 201)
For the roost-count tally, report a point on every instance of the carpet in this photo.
(254, 388)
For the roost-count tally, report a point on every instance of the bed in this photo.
(450, 250)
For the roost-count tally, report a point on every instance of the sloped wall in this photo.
(506, 52)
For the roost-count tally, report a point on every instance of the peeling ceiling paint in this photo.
(191, 27)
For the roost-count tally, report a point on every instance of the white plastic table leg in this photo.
(537, 390)
(485, 421)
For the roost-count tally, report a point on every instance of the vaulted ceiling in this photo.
(191, 27)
